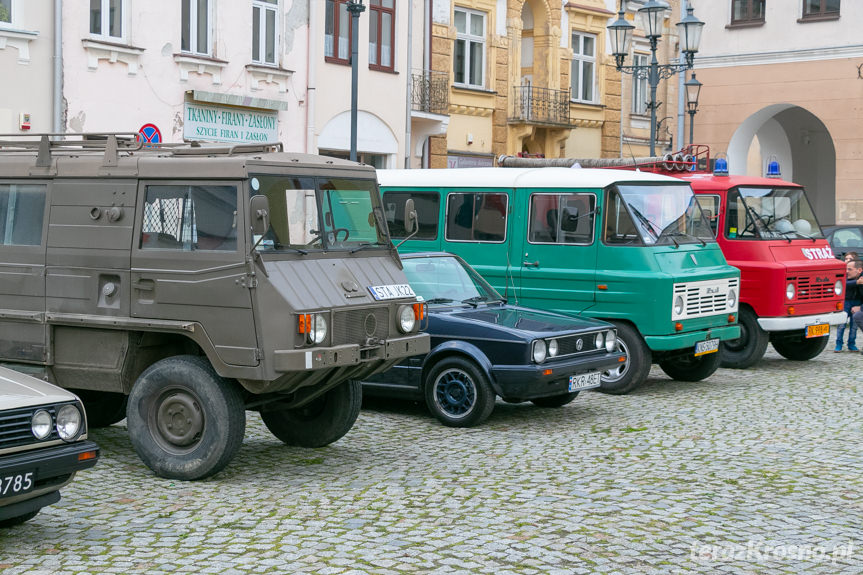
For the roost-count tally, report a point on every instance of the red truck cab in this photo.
(792, 287)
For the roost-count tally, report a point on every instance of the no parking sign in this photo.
(150, 134)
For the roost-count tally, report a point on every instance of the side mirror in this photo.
(411, 219)
(569, 220)
(259, 210)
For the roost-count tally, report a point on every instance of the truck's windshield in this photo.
(661, 214)
(769, 214)
(320, 214)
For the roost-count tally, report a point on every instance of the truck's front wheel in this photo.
(320, 422)
(633, 372)
(796, 347)
(103, 408)
(691, 368)
(185, 421)
(747, 349)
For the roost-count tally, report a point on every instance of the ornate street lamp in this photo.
(651, 16)
(355, 7)
(693, 90)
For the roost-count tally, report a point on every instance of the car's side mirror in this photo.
(259, 209)
(411, 223)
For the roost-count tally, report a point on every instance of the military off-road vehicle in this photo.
(180, 285)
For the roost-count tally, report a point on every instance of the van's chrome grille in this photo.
(15, 426)
(358, 326)
(816, 286)
(703, 298)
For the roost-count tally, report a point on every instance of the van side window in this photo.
(178, 217)
(710, 208)
(619, 227)
(478, 217)
(561, 218)
(427, 205)
(22, 209)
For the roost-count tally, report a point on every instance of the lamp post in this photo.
(355, 7)
(693, 89)
(651, 17)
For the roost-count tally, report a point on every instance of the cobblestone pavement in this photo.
(755, 471)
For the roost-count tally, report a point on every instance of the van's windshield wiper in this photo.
(684, 234)
(474, 301)
(651, 227)
(364, 246)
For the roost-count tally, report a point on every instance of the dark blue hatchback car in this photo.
(481, 348)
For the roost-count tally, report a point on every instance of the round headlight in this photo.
(838, 287)
(610, 341)
(789, 291)
(539, 351)
(552, 348)
(731, 300)
(599, 340)
(678, 305)
(40, 424)
(318, 330)
(68, 422)
(406, 319)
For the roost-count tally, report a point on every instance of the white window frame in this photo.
(579, 59)
(262, 32)
(640, 88)
(194, 19)
(105, 15)
(467, 37)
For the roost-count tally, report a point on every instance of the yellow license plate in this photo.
(818, 330)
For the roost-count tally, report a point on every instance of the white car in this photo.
(43, 443)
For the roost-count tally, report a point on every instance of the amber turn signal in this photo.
(678, 326)
(790, 310)
(731, 318)
(86, 455)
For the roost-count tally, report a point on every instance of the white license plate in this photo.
(11, 485)
(392, 291)
(584, 381)
(708, 346)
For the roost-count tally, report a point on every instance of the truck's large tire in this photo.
(796, 347)
(633, 372)
(185, 421)
(322, 421)
(747, 349)
(691, 368)
(103, 408)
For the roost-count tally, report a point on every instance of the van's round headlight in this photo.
(552, 348)
(40, 424)
(789, 291)
(318, 329)
(69, 422)
(599, 340)
(731, 299)
(610, 341)
(678, 305)
(406, 319)
(539, 351)
(838, 287)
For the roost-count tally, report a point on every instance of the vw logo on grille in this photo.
(579, 344)
(370, 324)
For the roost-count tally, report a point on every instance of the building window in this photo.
(195, 27)
(583, 67)
(814, 8)
(5, 11)
(337, 35)
(745, 11)
(382, 30)
(265, 38)
(639, 86)
(106, 19)
(469, 58)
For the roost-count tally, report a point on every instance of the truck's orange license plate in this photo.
(818, 330)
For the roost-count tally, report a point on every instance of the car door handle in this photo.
(144, 285)
(531, 264)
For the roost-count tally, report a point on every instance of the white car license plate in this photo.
(393, 291)
(584, 381)
(707, 346)
(11, 485)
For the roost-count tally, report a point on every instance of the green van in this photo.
(624, 246)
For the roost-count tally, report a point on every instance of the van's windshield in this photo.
(660, 214)
(769, 214)
(309, 213)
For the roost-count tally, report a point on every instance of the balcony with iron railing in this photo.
(430, 92)
(541, 106)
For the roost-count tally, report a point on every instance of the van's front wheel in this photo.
(747, 349)
(796, 347)
(631, 373)
(185, 421)
(690, 368)
(320, 422)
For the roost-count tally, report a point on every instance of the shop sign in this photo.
(217, 124)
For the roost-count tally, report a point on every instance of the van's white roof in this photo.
(517, 177)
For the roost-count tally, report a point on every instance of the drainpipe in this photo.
(408, 146)
(57, 105)
(311, 79)
(681, 91)
(427, 33)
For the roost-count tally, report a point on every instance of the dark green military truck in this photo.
(180, 285)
